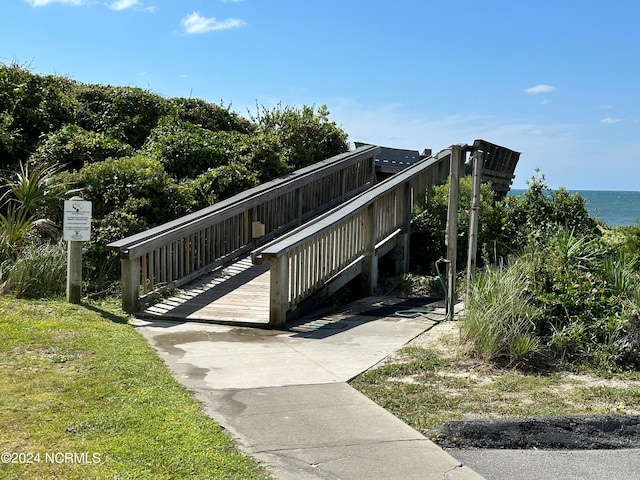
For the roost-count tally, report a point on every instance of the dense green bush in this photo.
(187, 150)
(539, 211)
(266, 155)
(73, 147)
(219, 183)
(142, 159)
(30, 106)
(566, 298)
(623, 239)
(569, 292)
(210, 116)
(506, 226)
(304, 136)
(128, 195)
(127, 114)
(137, 184)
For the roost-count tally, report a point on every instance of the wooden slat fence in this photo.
(499, 165)
(179, 251)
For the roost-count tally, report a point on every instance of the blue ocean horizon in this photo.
(613, 207)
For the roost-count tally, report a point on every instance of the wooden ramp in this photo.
(237, 294)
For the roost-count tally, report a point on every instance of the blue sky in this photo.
(554, 79)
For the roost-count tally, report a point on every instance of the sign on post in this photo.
(77, 221)
(76, 228)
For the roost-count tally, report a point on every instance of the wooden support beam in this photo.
(478, 160)
(279, 276)
(370, 263)
(130, 284)
(402, 241)
(451, 240)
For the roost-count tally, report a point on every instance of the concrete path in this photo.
(284, 396)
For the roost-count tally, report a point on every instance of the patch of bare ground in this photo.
(587, 411)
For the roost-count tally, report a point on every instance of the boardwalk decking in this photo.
(237, 294)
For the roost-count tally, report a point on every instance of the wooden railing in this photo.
(179, 251)
(331, 250)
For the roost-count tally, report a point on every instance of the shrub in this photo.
(221, 182)
(127, 114)
(31, 105)
(530, 217)
(136, 184)
(506, 226)
(73, 147)
(128, 195)
(624, 239)
(267, 156)
(305, 136)
(581, 305)
(210, 116)
(187, 150)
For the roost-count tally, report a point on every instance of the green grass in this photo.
(425, 390)
(79, 379)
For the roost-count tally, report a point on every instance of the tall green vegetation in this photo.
(141, 158)
(32, 261)
(567, 294)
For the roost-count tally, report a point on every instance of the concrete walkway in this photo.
(284, 395)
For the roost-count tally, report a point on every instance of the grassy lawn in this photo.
(79, 380)
(430, 382)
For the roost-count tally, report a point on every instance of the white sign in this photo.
(77, 220)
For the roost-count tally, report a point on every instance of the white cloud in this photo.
(610, 120)
(538, 89)
(195, 23)
(43, 3)
(605, 107)
(123, 4)
(537, 132)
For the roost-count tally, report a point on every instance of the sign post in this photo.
(76, 230)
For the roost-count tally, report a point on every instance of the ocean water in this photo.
(612, 207)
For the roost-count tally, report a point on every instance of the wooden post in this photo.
(130, 284)
(278, 291)
(451, 240)
(370, 262)
(76, 230)
(478, 161)
(403, 240)
(74, 271)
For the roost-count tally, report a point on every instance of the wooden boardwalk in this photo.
(237, 294)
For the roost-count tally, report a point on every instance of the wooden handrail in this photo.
(331, 250)
(173, 253)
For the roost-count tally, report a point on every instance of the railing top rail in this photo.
(280, 246)
(247, 199)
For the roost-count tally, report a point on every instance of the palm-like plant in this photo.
(32, 186)
(23, 195)
(14, 228)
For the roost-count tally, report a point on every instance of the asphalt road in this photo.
(548, 464)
